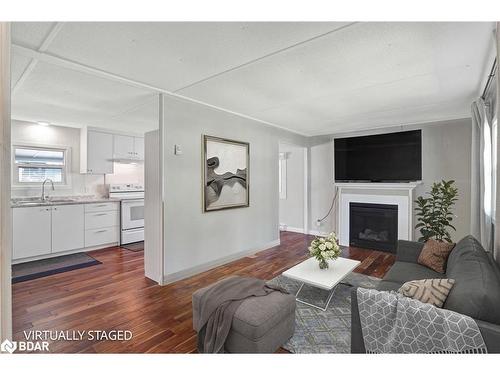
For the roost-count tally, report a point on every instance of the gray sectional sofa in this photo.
(476, 292)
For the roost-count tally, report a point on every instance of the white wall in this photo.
(321, 187)
(446, 154)
(292, 208)
(5, 211)
(195, 240)
(78, 184)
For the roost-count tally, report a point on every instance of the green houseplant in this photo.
(434, 213)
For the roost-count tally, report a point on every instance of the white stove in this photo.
(132, 211)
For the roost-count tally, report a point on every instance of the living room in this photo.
(308, 187)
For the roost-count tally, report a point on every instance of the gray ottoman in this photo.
(260, 324)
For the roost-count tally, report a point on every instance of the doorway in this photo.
(292, 177)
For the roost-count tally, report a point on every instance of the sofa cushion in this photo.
(432, 291)
(435, 254)
(386, 285)
(402, 272)
(477, 285)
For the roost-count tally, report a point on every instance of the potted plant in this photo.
(434, 213)
(325, 248)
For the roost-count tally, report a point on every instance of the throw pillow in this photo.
(435, 254)
(433, 291)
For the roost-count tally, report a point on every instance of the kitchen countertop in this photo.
(58, 201)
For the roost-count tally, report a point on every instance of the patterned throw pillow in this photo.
(433, 291)
(435, 254)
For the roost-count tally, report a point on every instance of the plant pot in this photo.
(323, 264)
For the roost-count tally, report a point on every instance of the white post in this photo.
(161, 126)
(496, 249)
(5, 210)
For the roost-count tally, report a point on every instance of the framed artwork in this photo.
(225, 174)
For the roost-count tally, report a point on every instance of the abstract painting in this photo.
(225, 173)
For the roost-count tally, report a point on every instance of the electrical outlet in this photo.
(318, 223)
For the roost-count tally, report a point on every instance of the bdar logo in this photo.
(8, 346)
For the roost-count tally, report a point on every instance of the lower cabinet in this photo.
(96, 237)
(68, 227)
(39, 231)
(31, 232)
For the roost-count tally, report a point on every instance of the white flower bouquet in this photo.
(325, 248)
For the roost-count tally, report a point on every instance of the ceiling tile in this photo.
(66, 97)
(357, 72)
(18, 65)
(173, 55)
(30, 34)
(358, 76)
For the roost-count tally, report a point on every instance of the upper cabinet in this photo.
(99, 149)
(139, 147)
(123, 146)
(127, 147)
(96, 152)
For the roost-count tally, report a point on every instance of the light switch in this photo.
(177, 150)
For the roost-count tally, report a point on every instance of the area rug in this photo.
(51, 266)
(136, 246)
(323, 332)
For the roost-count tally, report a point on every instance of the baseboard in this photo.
(295, 230)
(318, 233)
(176, 276)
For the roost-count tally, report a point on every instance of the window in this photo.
(32, 165)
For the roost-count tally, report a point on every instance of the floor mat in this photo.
(327, 331)
(136, 246)
(46, 267)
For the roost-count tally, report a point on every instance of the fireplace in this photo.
(373, 226)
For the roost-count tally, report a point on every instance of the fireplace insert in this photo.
(373, 226)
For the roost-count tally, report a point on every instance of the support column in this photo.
(496, 244)
(5, 210)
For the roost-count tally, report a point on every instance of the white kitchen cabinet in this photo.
(128, 147)
(97, 220)
(139, 147)
(97, 237)
(68, 227)
(31, 232)
(96, 152)
(102, 223)
(123, 147)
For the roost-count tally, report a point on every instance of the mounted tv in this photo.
(392, 157)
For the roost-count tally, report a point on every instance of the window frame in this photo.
(66, 167)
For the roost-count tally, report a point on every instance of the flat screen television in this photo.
(392, 157)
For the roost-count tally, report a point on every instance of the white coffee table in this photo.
(308, 272)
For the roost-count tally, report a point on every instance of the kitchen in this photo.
(74, 190)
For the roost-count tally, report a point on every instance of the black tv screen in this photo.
(393, 157)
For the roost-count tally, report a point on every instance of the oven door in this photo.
(132, 214)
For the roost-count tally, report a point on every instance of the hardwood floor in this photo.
(116, 295)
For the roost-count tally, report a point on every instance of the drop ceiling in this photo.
(310, 78)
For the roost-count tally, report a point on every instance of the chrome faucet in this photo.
(43, 188)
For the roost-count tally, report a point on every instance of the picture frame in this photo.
(225, 173)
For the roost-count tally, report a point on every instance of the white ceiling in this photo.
(311, 78)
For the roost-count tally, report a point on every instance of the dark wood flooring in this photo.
(116, 295)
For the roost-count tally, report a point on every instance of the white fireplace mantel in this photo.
(379, 185)
(400, 194)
